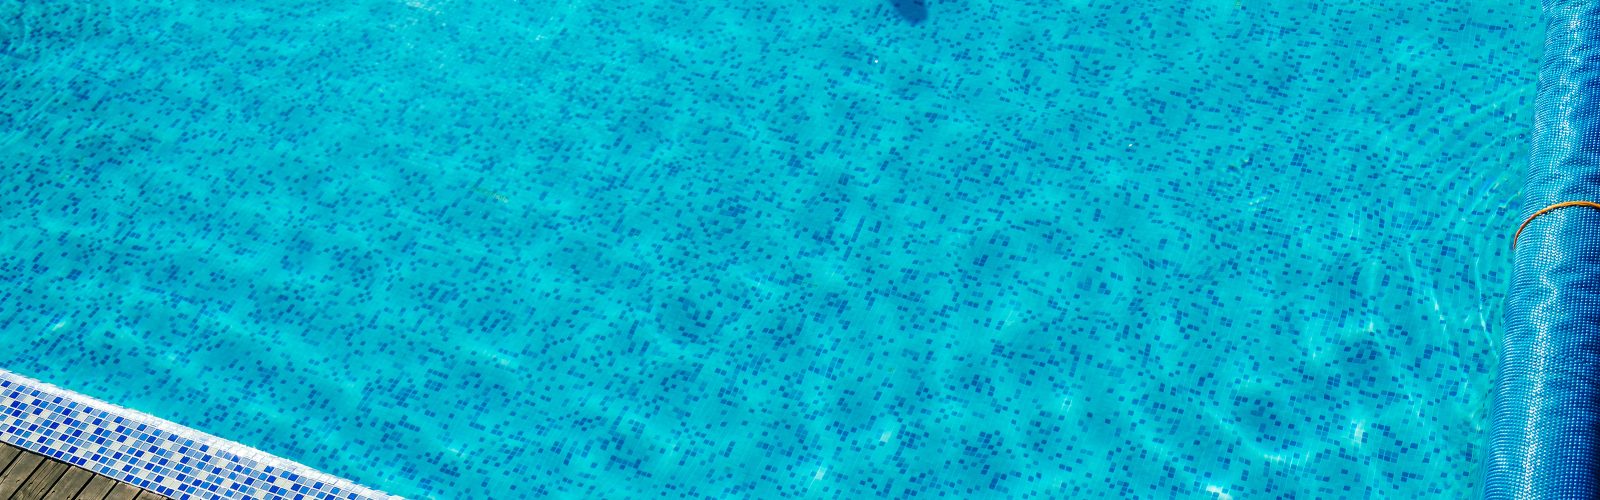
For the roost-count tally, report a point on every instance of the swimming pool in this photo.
(503, 249)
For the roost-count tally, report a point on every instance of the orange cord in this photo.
(1530, 218)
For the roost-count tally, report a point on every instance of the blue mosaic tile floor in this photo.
(505, 249)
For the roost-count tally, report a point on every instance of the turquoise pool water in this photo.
(582, 249)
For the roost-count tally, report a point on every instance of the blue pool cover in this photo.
(1545, 441)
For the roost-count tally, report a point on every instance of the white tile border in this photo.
(152, 453)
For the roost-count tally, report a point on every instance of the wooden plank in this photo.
(97, 488)
(69, 484)
(123, 491)
(11, 480)
(25, 475)
(42, 480)
(7, 454)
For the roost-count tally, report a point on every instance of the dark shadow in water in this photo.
(913, 11)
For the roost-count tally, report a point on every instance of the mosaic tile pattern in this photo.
(764, 249)
(152, 453)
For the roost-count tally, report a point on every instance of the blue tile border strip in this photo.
(152, 453)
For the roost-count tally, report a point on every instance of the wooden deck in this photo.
(25, 475)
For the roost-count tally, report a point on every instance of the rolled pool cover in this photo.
(1544, 441)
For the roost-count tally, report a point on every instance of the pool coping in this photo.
(154, 453)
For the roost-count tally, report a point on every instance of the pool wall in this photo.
(1545, 437)
(150, 452)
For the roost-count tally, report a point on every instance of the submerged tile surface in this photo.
(769, 248)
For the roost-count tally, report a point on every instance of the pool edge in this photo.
(154, 453)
